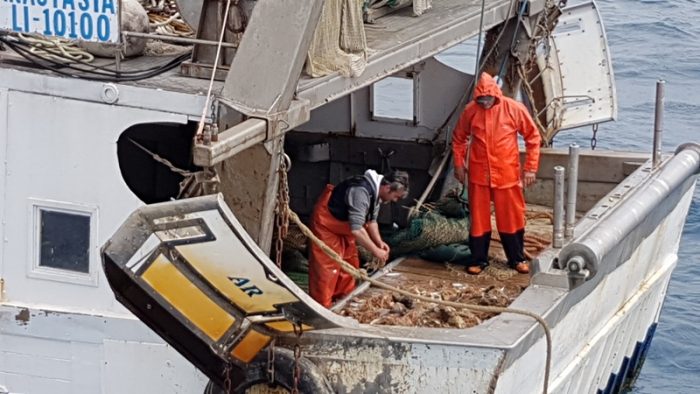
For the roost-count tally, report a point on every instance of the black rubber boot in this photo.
(514, 246)
(479, 247)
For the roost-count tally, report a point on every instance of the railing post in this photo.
(658, 122)
(558, 233)
(571, 191)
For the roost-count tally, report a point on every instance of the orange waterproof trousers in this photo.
(509, 204)
(327, 281)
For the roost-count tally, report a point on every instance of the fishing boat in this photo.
(143, 199)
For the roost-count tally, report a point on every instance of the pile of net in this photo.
(339, 42)
(439, 232)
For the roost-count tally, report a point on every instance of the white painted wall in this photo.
(64, 151)
(3, 186)
(69, 353)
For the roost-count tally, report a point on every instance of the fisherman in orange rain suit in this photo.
(485, 140)
(346, 214)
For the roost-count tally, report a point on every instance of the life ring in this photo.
(312, 381)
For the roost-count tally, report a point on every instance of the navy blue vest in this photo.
(338, 205)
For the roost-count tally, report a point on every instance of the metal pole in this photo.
(558, 233)
(185, 40)
(571, 191)
(431, 184)
(121, 41)
(658, 122)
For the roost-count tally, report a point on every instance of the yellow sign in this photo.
(187, 298)
(230, 268)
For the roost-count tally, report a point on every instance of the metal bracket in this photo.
(579, 262)
(256, 129)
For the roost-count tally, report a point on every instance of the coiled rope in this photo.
(362, 275)
(54, 48)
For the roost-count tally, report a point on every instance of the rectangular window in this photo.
(396, 99)
(63, 242)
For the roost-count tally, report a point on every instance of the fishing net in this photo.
(301, 279)
(296, 266)
(438, 233)
(419, 6)
(453, 253)
(428, 230)
(295, 238)
(339, 42)
(294, 261)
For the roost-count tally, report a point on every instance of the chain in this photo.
(227, 377)
(282, 220)
(594, 139)
(298, 330)
(271, 364)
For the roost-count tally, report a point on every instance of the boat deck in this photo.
(498, 285)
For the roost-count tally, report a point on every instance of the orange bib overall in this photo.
(327, 281)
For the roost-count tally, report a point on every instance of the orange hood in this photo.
(487, 86)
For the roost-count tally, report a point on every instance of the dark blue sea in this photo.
(651, 40)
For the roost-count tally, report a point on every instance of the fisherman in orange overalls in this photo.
(485, 141)
(346, 214)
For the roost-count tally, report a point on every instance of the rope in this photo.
(530, 96)
(362, 275)
(163, 161)
(164, 18)
(200, 126)
(512, 41)
(172, 25)
(478, 43)
(57, 49)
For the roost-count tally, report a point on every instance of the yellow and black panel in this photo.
(189, 271)
(190, 301)
(251, 344)
(229, 267)
(285, 326)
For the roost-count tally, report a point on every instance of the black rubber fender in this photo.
(312, 381)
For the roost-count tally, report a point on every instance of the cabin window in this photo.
(395, 99)
(63, 241)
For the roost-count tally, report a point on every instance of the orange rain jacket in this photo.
(494, 160)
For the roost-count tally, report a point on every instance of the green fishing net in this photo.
(438, 233)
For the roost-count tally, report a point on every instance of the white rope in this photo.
(57, 49)
(200, 127)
